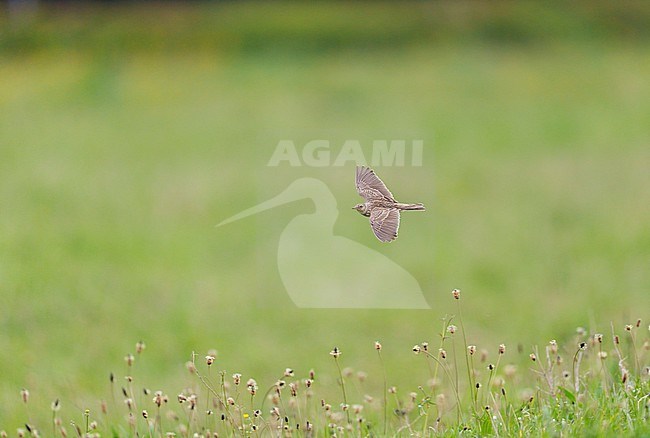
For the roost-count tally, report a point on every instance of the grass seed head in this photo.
(553, 346)
(434, 383)
(456, 294)
(251, 386)
(159, 398)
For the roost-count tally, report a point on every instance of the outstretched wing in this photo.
(384, 223)
(370, 186)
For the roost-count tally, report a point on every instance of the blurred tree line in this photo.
(31, 25)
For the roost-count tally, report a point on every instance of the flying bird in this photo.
(380, 206)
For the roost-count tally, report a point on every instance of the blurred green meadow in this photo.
(128, 132)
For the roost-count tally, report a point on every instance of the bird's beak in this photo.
(299, 189)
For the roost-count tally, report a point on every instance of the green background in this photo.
(128, 132)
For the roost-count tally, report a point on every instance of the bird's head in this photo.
(362, 209)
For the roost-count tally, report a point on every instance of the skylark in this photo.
(380, 206)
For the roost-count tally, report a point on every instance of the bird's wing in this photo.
(370, 186)
(384, 223)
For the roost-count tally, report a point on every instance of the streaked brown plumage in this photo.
(380, 206)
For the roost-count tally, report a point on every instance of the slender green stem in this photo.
(445, 323)
(470, 377)
(383, 368)
(207, 401)
(637, 363)
(444, 368)
(492, 373)
(345, 397)
(576, 370)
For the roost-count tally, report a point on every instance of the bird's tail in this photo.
(418, 207)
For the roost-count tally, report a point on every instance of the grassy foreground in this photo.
(597, 385)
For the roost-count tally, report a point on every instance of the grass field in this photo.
(118, 157)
